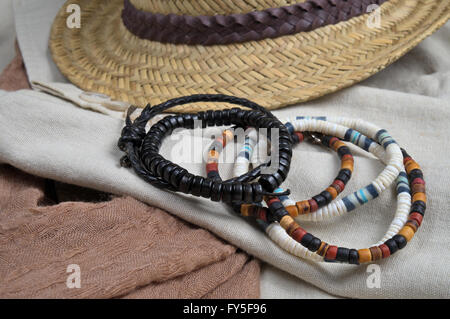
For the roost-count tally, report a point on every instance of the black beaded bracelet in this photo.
(142, 149)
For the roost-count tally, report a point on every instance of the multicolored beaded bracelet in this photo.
(279, 236)
(142, 149)
(293, 247)
(332, 253)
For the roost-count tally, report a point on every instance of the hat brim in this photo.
(103, 56)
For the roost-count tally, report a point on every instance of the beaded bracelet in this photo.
(279, 236)
(332, 253)
(317, 201)
(344, 254)
(142, 149)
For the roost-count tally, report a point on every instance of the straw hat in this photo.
(275, 52)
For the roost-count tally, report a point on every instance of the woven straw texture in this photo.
(103, 56)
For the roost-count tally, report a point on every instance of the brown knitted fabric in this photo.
(14, 76)
(124, 248)
(236, 28)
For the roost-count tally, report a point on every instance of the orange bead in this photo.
(245, 209)
(419, 196)
(364, 255)
(214, 154)
(411, 165)
(337, 145)
(407, 232)
(286, 221)
(332, 191)
(303, 207)
(292, 210)
(347, 164)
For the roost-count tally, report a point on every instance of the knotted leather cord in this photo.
(237, 28)
(141, 147)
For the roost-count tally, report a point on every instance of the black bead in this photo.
(176, 176)
(161, 166)
(210, 117)
(279, 213)
(392, 244)
(216, 192)
(342, 254)
(400, 240)
(343, 150)
(275, 205)
(227, 192)
(167, 171)
(218, 118)
(343, 176)
(295, 138)
(268, 182)
(328, 196)
(320, 199)
(248, 193)
(154, 163)
(257, 192)
(415, 173)
(283, 171)
(314, 244)
(173, 122)
(419, 207)
(214, 175)
(186, 182)
(237, 192)
(226, 117)
(306, 240)
(197, 185)
(326, 140)
(353, 257)
(206, 188)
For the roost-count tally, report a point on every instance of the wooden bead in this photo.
(376, 253)
(419, 196)
(385, 250)
(245, 209)
(286, 221)
(292, 210)
(293, 226)
(339, 185)
(333, 192)
(418, 188)
(322, 249)
(331, 253)
(303, 207)
(413, 224)
(298, 234)
(313, 205)
(365, 255)
(411, 165)
(407, 232)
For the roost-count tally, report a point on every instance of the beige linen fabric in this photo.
(49, 137)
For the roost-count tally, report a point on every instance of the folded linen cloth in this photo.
(124, 248)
